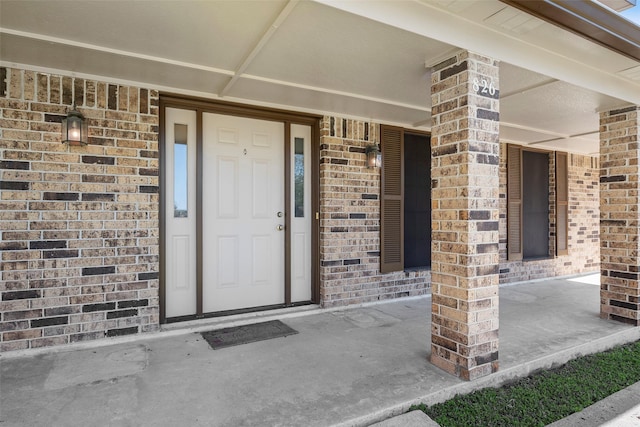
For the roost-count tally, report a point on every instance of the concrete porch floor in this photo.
(349, 367)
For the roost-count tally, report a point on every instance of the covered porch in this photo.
(475, 76)
(349, 367)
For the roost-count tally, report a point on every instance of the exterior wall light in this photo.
(374, 157)
(74, 128)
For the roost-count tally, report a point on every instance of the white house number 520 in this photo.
(483, 86)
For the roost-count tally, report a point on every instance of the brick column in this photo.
(619, 227)
(465, 212)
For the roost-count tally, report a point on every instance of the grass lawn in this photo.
(545, 396)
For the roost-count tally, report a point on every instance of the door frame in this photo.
(200, 106)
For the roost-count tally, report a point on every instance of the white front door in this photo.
(243, 209)
(227, 222)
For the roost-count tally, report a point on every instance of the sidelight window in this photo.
(180, 168)
(298, 172)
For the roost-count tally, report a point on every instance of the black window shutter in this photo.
(514, 203)
(392, 199)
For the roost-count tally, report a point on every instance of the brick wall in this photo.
(619, 187)
(78, 225)
(350, 221)
(584, 223)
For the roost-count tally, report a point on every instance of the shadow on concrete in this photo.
(345, 367)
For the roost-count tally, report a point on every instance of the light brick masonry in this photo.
(350, 221)
(583, 229)
(465, 211)
(79, 225)
(619, 221)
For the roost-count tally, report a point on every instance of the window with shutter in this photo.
(562, 204)
(527, 203)
(392, 200)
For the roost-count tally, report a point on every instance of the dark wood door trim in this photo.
(287, 213)
(233, 109)
(199, 241)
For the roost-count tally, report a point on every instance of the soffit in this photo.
(618, 5)
(541, 47)
(111, 65)
(211, 33)
(348, 53)
(347, 58)
(590, 20)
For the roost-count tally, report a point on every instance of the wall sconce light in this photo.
(374, 156)
(74, 128)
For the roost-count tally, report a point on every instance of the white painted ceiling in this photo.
(361, 59)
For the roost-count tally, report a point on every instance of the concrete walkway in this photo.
(351, 367)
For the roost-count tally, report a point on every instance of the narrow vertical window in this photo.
(180, 168)
(298, 171)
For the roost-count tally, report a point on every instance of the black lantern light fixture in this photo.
(74, 128)
(374, 157)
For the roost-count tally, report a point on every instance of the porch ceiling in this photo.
(359, 59)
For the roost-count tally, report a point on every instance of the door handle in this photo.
(280, 227)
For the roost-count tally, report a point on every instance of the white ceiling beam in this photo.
(533, 129)
(578, 135)
(259, 46)
(522, 91)
(566, 138)
(120, 52)
(424, 122)
(554, 136)
(546, 141)
(337, 92)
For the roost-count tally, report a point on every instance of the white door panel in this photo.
(301, 214)
(180, 212)
(260, 182)
(227, 176)
(229, 256)
(240, 204)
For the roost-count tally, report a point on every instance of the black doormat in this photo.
(228, 337)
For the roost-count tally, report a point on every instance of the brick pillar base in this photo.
(619, 221)
(465, 213)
